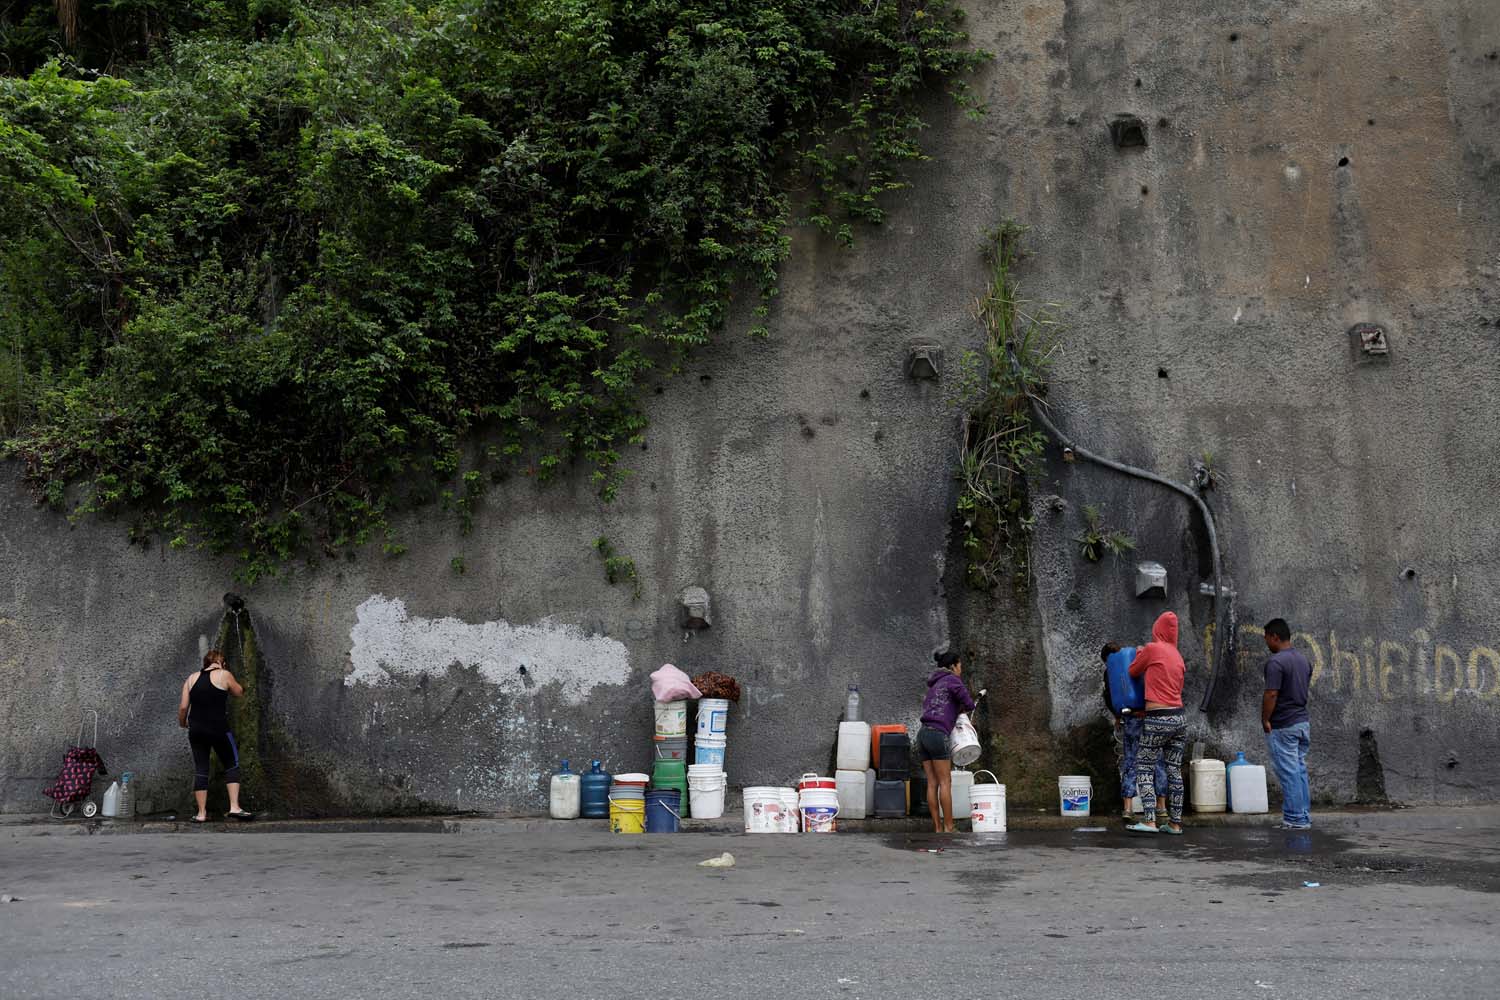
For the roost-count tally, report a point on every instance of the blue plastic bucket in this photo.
(663, 810)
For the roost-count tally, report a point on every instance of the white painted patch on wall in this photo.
(387, 643)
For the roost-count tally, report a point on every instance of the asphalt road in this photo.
(1407, 913)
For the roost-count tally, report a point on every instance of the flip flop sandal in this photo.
(1141, 828)
(1170, 832)
(241, 815)
(195, 819)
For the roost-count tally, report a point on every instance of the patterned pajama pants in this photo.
(1163, 737)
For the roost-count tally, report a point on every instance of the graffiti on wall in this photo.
(1421, 665)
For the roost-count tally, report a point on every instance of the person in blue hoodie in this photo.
(946, 698)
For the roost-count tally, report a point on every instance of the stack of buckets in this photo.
(627, 803)
(668, 795)
(705, 776)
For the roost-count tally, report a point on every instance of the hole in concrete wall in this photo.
(1234, 36)
(1137, 81)
(1126, 131)
(807, 431)
(1343, 161)
(1162, 123)
(643, 446)
(705, 379)
(1145, 189)
(1408, 573)
(864, 394)
(659, 390)
(1161, 373)
(1369, 121)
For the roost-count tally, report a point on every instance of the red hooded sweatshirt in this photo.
(1161, 663)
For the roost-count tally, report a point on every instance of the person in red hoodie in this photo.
(1165, 731)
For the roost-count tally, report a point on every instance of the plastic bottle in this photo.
(111, 799)
(126, 805)
(566, 794)
(594, 793)
(851, 704)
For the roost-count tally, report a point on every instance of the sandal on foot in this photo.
(196, 819)
(1171, 832)
(1141, 828)
(241, 815)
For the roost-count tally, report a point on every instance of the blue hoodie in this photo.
(946, 698)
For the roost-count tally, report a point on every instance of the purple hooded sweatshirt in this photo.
(946, 697)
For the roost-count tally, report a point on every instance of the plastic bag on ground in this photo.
(671, 684)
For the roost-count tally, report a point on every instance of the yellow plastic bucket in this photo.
(627, 815)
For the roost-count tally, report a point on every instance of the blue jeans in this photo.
(1288, 751)
(1130, 740)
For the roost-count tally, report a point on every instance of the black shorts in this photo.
(933, 744)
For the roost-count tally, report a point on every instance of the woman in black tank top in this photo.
(204, 712)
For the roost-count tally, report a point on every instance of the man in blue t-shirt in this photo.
(1283, 715)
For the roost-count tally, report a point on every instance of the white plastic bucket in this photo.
(964, 742)
(671, 719)
(854, 746)
(791, 812)
(708, 750)
(987, 805)
(765, 810)
(706, 795)
(1076, 792)
(851, 793)
(963, 789)
(820, 810)
(713, 717)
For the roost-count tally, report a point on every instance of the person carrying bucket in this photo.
(1164, 733)
(946, 698)
(1127, 708)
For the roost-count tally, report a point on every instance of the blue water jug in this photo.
(1125, 691)
(1239, 761)
(594, 797)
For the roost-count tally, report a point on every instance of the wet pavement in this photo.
(1405, 907)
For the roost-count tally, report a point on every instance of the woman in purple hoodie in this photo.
(946, 698)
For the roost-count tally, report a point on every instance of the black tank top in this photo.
(208, 707)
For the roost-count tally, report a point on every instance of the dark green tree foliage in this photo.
(259, 286)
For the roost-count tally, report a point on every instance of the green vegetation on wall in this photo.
(1002, 446)
(265, 267)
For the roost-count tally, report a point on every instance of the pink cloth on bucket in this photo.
(671, 684)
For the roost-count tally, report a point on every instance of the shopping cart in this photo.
(74, 788)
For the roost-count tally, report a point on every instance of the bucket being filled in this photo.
(965, 742)
(663, 807)
(627, 815)
(706, 792)
(709, 750)
(764, 810)
(1076, 792)
(987, 805)
(671, 719)
(713, 717)
(820, 810)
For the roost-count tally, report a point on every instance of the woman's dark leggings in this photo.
(229, 758)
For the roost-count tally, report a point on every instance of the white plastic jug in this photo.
(963, 785)
(112, 800)
(854, 746)
(851, 792)
(1247, 788)
(1207, 792)
(566, 793)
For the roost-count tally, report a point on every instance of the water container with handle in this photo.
(988, 804)
(1239, 761)
(594, 795)
(851, 704)
(1245, 785)
(112, 800)
(566, 799)
(1124, 691)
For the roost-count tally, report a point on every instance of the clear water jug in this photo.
(125, 808)
(851, 704)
